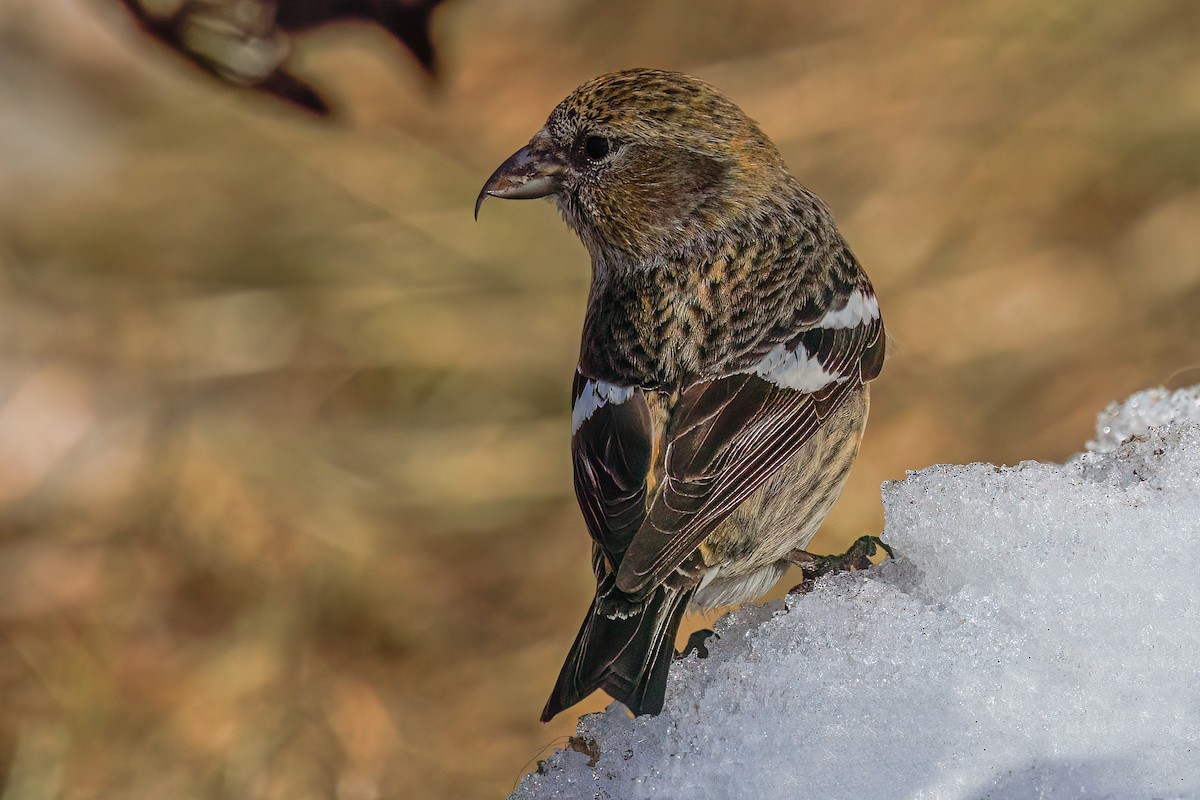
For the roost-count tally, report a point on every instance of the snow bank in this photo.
(1038, 636)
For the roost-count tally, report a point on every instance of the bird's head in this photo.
(641, 161)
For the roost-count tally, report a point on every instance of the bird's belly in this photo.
(744, 556)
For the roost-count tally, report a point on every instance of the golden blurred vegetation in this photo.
(285, 503)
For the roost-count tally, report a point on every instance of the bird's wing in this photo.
(727, 436)
(611, 445)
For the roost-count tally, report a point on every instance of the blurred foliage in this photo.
(285, 503)
(247, 42)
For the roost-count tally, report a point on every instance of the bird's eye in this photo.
(596, 147)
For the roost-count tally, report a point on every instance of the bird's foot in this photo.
(697, 643)
(856, 557)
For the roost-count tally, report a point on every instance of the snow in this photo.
(1152, 408)
(1037, 636)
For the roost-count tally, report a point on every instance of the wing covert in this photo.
(728, 435)
(611, 448)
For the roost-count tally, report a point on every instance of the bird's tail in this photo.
(625, 655)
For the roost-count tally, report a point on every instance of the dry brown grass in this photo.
(285, 505)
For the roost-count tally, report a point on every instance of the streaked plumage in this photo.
(721, 390)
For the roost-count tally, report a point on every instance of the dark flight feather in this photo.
(626, 656)
(728, 436)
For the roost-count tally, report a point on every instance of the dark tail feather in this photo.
(626, 657)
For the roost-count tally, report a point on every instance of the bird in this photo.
(721, 391)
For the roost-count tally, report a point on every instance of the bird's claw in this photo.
(856, 557)
(697, 643)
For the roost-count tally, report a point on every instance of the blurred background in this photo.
(285, 500)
